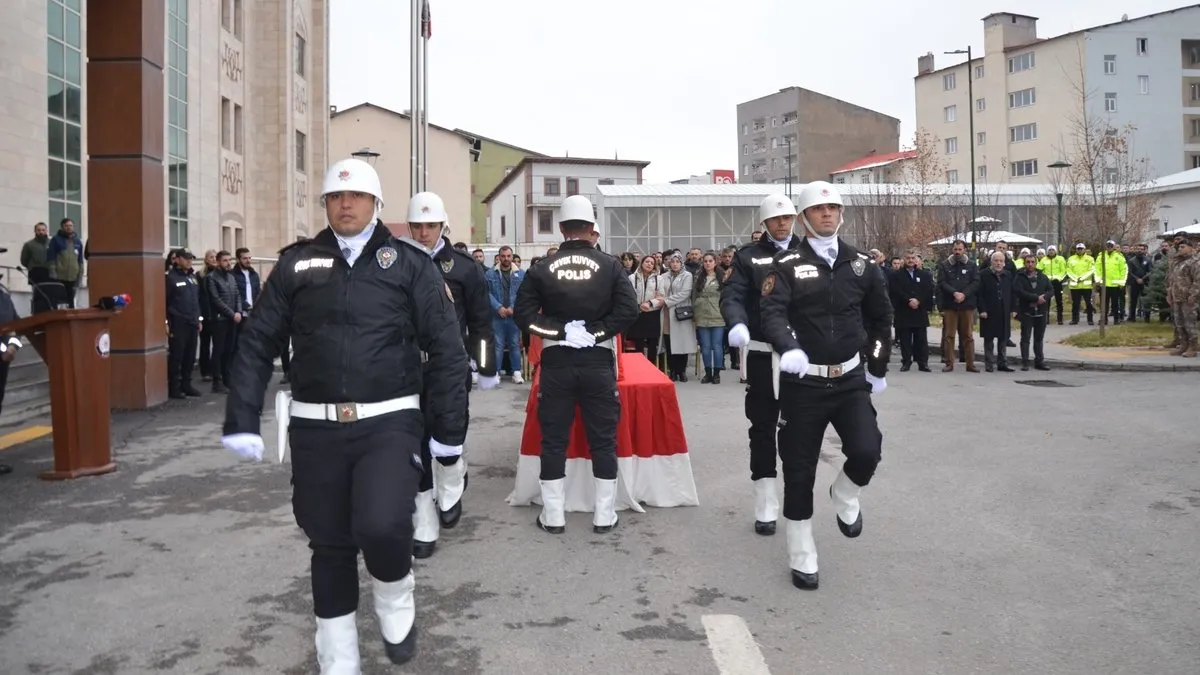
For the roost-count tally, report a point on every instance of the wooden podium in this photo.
(75, 345)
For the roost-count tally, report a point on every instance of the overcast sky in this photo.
(660, 80)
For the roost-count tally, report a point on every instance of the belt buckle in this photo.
(835, 371)
(347, 412)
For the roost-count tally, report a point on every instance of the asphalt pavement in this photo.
(1011, 528)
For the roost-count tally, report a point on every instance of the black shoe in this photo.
(423, 549)
(1010, 343)
(989, 368)
(716, 376)
(707, 379)
(766, 529)
(1005, 369)
(1024, 367)
(219, 388)
(604, 529)
(449, 518)
(403, 652)
(683, 377)
(1041, 366)
(924, 368)
(192, 392)
(1074, 323)
(546, 528)
(4, 468)
(906, 367)
(853, 529)
(177, 395)
(805, 582)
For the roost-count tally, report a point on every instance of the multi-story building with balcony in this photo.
(523, 208)
(796, 135)
(1031, 96)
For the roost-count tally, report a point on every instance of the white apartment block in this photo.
(1028, 95)
(523, 208)
(244, 121)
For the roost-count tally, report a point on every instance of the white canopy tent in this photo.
(1193, 229)
(986, 237)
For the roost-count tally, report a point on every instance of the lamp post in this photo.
(971, 138)
(366, 154)
(1057, 170)
(788, 139)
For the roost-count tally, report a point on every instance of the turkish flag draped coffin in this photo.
(654, 467)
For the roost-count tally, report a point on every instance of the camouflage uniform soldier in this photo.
(1183, 292)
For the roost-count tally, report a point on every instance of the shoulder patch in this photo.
(864, 256)
(859, 266)
(768, 284)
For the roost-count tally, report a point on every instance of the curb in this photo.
(1099, 366)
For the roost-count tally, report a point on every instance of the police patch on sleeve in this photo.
(447, 265)
(859, 266)
(386, 257)
(768, 284)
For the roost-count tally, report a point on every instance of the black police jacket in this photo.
(742, 292)
(183, 296)
(357, 333)
(464, 276)
(578, 282)
(830, 313)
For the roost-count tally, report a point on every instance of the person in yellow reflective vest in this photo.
(1081, 271)
(1111, 272)
(1054, 266)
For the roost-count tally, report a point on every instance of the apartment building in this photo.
(799, 135)
(893, 167)
(1030, 93)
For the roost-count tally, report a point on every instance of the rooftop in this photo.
(1176, 181)
(581, 161)
(875, 160)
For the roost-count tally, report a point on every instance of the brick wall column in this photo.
(126, 213)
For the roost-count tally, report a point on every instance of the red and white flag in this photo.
(426, 22)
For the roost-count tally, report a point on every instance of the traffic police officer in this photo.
(428, 224)
(740, 307)
(825, 310)
(184, 321)
(577, 300)
(10, 344)
(361, 308)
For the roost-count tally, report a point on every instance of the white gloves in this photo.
(489, 382)
(739, 336)
(474, 366)
(246, 446)
(878, 384)
(438, 450)
(793, 361)
(577, 336)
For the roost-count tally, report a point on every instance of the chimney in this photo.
(925, 64)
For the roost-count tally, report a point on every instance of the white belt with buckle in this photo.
(834, 371)
(758, 346)
(609, 343)
(352, 412)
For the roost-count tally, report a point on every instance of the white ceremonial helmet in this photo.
(577, 207)
(773, 206)
(814, 194)
(427, 207)
(353, 175)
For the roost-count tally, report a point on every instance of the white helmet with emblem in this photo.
(814, 194)
(577, 207)
(773, 206)
(353, 175)
(427, 207)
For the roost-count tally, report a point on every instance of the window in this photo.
(774, 143)
(605, 181)
(1024, 167)
(950, 113)
(1110, 102)
(301, 152)
(551, 186)
(745, 148)
(1021, 62)
(177, 125)
(64, 105)
(1110, 64)
(545, 221)
(1023, 132)
(1194, 56)
(981, 138)
(840, 179)
(981, 171)
(978, 72)
(239, 134)
(226, 123)
(1144, 84)
(980, 105)
(1142, 45)
(1110, 176)
(745, 170)
(503, 227)
(1196, 91)
(572, 186)
(1196, 161)
(1195, 128)
(952, 176)
(231, 15)
(951, 146)
(1023, 98)
(948, 82)
(789, 118)
(774, 122)
(298, 50)
(745, 129)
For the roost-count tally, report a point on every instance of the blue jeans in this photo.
(507, 336)
(712, 346)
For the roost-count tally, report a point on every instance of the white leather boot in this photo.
(396, 608)
(554, 497)
(766, 505)
(337, 646)
(450, 483)
(604, 515)
(425, 525)
(802, 552)
(845, 494)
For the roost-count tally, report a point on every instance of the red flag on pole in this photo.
(426, 22)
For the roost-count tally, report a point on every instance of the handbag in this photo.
(684, 313)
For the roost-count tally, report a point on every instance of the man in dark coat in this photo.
(1031, 300)
(996, 313)
(911, 290)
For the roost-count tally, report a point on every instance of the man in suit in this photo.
(911, 289)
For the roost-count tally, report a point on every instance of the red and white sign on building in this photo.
(725, 176)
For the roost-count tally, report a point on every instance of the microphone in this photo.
(114, 301)
(50, 304)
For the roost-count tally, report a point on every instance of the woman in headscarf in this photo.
(678, 325)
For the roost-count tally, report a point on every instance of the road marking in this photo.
(733, 647)
(23, 436)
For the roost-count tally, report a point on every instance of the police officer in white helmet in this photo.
(439, 500)
(360, 307)
(740, 307)
(826, 312)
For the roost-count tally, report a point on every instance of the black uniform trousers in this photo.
(1057, 285)
(1135, 299)
(3, 381)
(591, 383)
(181, 354)
(206, 349)
(223, 342)
(354, 488)
(914, 345)
(427, 456)
(1114, 298)
(1080, 297)
(1033, 327)
(763, 412)
(807, 407)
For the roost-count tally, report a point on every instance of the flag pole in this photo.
(425, 35)
(414, 94)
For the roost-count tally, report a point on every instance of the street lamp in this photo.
(788, 139)
(1057, 170)
(971, 139)
(366, 154)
